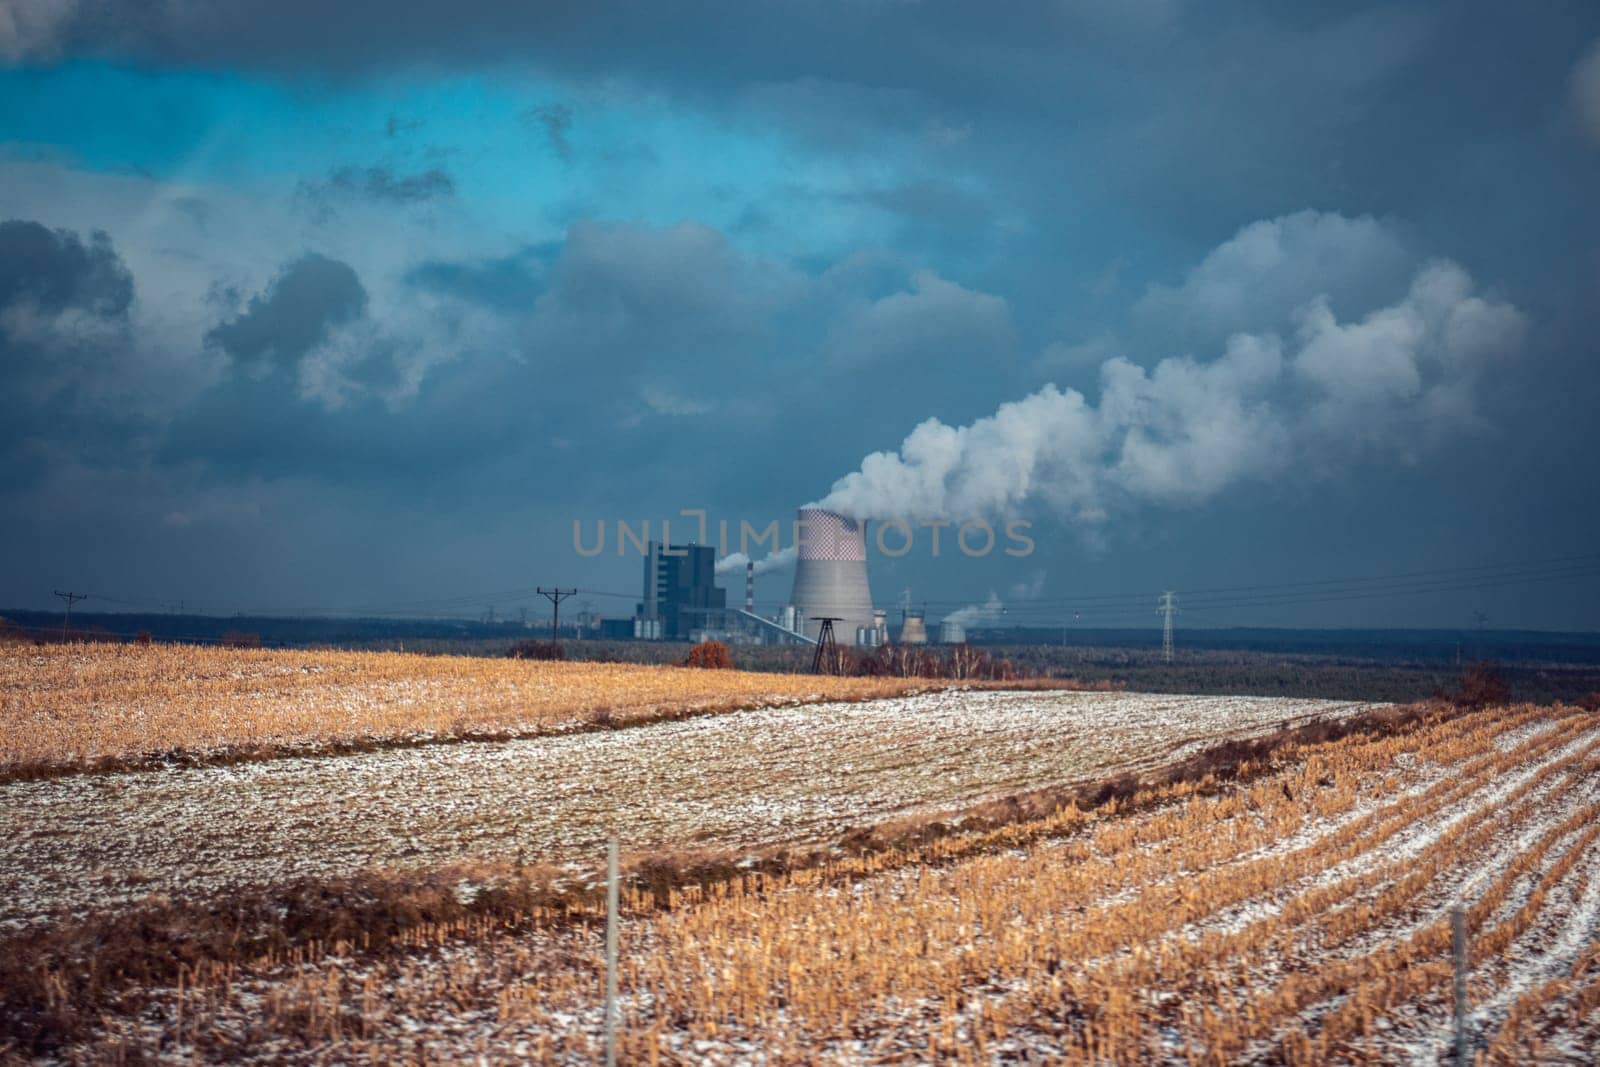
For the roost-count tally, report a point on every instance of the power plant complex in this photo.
(682, 602)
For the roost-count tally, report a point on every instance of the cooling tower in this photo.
(913, 629)
(830, 573)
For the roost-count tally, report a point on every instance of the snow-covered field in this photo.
(1301, 918)
(744, 779)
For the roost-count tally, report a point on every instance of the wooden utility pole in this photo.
(555, 596)
(1458, 939)
(611, 954)
(70, 598)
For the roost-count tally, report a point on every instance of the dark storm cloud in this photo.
(617, 340)
(303, 394)
(931, 200)
(55, 270)
(64, 335)
(295, 313)
(554, 121)
(1206, 116)
(760, 39)
(970, 186)
(398, 124)
(508, 283)
(379, 184)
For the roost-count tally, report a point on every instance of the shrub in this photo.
(711, 655)
(142, 637)
(1481, 686)
(240, 639)
(537, 650)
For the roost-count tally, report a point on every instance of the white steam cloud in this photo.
(1320, 392)
(776, 561)
(986, 614)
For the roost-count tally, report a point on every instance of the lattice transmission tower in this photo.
(1168, 607)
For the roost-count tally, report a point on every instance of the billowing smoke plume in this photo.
(1318, 393)
(776, 561)
(986, 614)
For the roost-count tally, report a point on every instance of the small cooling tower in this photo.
(952, 632)
(830, 573)
(913, 628)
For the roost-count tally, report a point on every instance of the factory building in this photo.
(681, 596)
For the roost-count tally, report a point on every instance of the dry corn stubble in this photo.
(101, 706)
(1295, 917)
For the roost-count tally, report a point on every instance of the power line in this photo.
(555, 596)
(1089, 606)
(70, 598)
(1036, 609)
(1438, 574)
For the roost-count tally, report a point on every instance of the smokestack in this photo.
(750, 586)
(830, 573)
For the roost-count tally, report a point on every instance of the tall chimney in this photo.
(750, 586)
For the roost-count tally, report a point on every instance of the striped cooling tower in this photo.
(830, 573)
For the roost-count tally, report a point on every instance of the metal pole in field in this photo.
(1458, 937)
(611, 954)
(1167, 608)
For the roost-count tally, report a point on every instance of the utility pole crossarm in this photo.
(555, 596)
(70, 598)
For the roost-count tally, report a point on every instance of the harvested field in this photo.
(67, 708)
(778, 775)
(1298, 915)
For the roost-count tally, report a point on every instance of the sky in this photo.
(345, 308)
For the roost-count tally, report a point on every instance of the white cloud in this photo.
(1585, 89)
(934, 319)
(1416, 360)
(1062, 358)
(664, 400)
(1186, 430)
(1260, 277)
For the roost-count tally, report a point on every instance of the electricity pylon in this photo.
(1168, 608)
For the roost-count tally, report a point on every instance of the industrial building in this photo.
(681, 595)
(682, 601)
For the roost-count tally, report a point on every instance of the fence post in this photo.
(1458, 937)
(611, 954)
